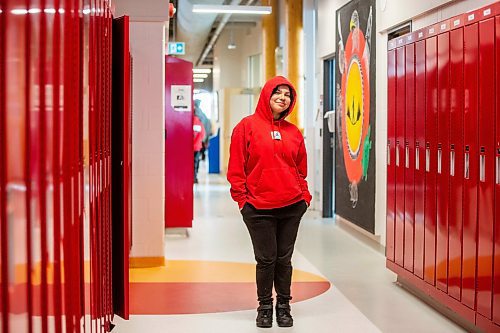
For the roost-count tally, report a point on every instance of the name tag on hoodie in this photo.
(276, 135)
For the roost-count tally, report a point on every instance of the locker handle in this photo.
(427, 159)
(417, 159)
(440, 155)
(407, 156)
(452, 163)
(397, 154)
(498, 170)
(466, 165)
(388, 154)
(482, 171)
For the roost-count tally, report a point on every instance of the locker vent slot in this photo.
(388, 154)
(498, 170)
(397, 154)
(427, 159)
(417, 159)
(407, 156)
(440, 155)
(452, 163)
(466, 165)
(482, 171)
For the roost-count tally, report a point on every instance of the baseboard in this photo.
(368, 238)
(145, 262)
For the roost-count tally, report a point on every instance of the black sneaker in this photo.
(283, 316)
(264, 316)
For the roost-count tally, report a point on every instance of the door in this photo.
(328, 138)
(121, 143)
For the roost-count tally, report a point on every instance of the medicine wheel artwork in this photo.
(355, 101)
(355, 97)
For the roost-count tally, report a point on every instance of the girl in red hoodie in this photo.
(267, 171)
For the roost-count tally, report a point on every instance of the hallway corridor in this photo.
(340, 281)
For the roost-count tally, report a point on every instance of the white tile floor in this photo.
(363, 298)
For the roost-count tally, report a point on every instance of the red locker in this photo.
(178, 144)
(400, 162)
(456, 159)
(4, 288)
(486, 210)
(391, 147)
(419, 156)
(430, 159)
(442, 188)
(471, 163)
(496, 273)
(409, 159)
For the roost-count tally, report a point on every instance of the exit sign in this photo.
(176, 48)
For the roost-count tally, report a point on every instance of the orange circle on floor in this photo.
(190, 287)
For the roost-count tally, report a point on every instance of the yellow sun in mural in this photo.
(354, 108)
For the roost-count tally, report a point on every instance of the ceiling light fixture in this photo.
(198, 80)
(200, 76)
(202, 70)
(231, 45)
(232, 9)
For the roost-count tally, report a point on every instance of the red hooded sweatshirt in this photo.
(263, 171)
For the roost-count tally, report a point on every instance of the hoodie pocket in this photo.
(278, 185)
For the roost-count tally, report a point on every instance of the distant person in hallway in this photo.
(198, 135)
(267, 171)
(207, 124)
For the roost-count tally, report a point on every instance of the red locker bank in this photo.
(443, 216)
(57, 104)
(179, 160)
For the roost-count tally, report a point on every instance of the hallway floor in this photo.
(340, 283)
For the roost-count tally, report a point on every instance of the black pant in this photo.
(273, 233)
(196, 163)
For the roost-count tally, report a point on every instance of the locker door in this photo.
(121, 165)
(496, 273)
(456, 163)
(4, 288)
(442, 190)
(400, 170)
(391, 145)
(470, 174)
(419, 157)
(485, 201)
(409, 159)
(430, 158)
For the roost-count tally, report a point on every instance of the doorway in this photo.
(328, 137)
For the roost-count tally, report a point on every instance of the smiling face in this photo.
(280, 100)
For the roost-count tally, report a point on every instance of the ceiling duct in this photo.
(192, 28)
(201, 31)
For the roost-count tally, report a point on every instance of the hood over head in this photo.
(264, 108)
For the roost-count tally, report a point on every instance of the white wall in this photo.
(389, 13)
(147, 46)
(231, 66)
(147, 40)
